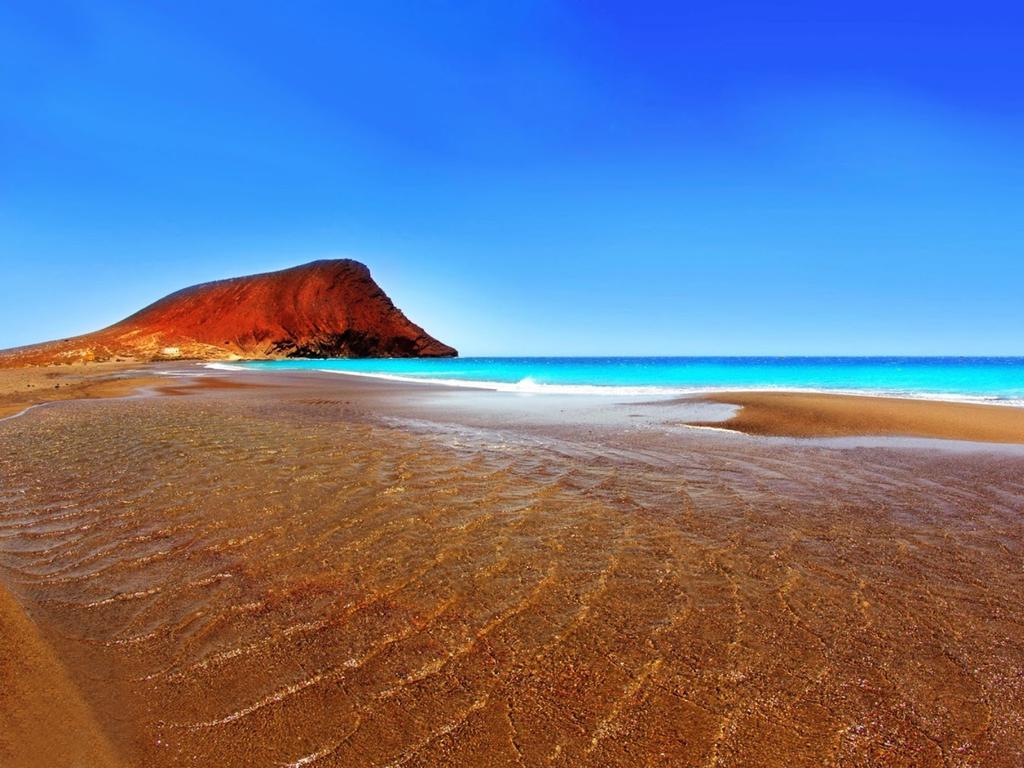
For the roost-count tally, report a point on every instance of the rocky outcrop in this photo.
(321, 309)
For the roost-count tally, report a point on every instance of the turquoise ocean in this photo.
(989, 379)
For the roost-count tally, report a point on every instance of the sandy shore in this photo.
(43, 718)
(21, 388)
(299, 569)
(782, 414)
(793, 414)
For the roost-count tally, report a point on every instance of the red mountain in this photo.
(321, 309)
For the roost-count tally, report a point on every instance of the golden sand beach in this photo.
(308, 570)
(24, 387)
(800, 414)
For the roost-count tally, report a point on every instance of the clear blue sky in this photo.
(530, 177)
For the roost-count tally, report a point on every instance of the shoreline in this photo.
(23, 388)
(528, 386)
(789, 413)
(817, 415)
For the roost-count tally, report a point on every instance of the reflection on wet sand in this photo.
(304, 577)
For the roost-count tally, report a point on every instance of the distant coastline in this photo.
(988, 380)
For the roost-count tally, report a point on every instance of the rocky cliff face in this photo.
(321, 309)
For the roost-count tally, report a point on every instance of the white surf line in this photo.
(225, 367)
(528, 386)
(714, 429)
(26, 410)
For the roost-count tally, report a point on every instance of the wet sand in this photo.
(797, 414)
(43, 718)
(339, 572)
(21, 388)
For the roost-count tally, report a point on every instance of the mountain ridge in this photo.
(326, 308)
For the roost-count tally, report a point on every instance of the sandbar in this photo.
(798, 414)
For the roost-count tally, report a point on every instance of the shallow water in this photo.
(308, 577)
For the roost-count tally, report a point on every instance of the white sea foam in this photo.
(713, 429)
(526, 386)
(529, 386)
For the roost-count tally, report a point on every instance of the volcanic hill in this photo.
(322, 309)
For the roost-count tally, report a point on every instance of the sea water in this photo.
(989, 379)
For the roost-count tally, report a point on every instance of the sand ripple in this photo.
(240, 582)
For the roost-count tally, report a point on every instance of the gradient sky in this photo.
(530, 177)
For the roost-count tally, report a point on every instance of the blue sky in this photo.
(530, 177)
